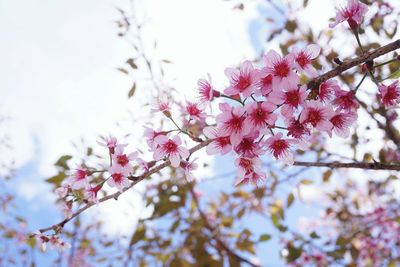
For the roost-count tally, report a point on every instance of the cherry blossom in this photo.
(283, 76)
(188, 167)
(170, 148)
(304, 57)
(220, 144)
(194, 111)
(341, 122)
(122, 159)
(249, 170)
(242, 81)
(264, 85)
(317, 115)
(206, 91)
(389, 95)
(260, 116)
(327, 90)
(290, 99)
(91, 193)
(345, 100)
(231, 122)
(78, 179)
(353, 13)
(248, 147)
(280, 148)
(111, 143)
(119, 177)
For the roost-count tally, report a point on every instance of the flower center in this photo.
(122, 160)
(281, 69)
(303, 59)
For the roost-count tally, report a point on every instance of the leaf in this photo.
(138, 235)
(326, 176)
(62, 162)
(123, 71)
(264, 237)
(167, 61)
(290, 200)
(57, 179)
(132, 91)
(306, 182)
(394, 75)
(131, 63)
(314, 235)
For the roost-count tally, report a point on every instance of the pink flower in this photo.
(291, 99)
(170, 148)
(220, 144)
(151, 134)
(249, 170)
(303, 58)
(296, 129)
(248, 147)
(264, 84)
(259, 116)
(119, 177)
(327, 90)
(188, 168)
(280, 148)
(164, 106)
(317, 115)
(283, 77)
(91, 193)
(78, 179)
(122, 159)
(242, 81)
(206, 91)
(231, 123)
(353, 13)
(345, 100)
(389, 95)
(194, 111)
(111, 143)
(63, 190)
(341, 123)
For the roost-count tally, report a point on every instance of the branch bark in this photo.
(367, 56)
(355, 165)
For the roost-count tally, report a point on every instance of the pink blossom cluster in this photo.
(313, 258)
(54, 240)
(275, 113)
(81, 179)
(381, 240)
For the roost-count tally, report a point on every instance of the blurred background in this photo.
(67, 79)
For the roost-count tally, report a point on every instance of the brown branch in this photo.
(58, 226)
(367, 56)
(355, 165)
(312, 84)
(212, 229)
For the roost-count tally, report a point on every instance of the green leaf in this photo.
(62, 162)
(138, 235)
(314, 235)
(264, 237)
(290, 200)
(57, 179)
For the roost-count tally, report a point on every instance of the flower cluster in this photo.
(54, 240)
(275, 113)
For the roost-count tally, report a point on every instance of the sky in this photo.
(60, 82)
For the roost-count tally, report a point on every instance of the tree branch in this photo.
(367, 56)
(312, 84)
(355, 165)
(212, 229)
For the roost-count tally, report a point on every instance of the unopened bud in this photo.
(167, 113)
